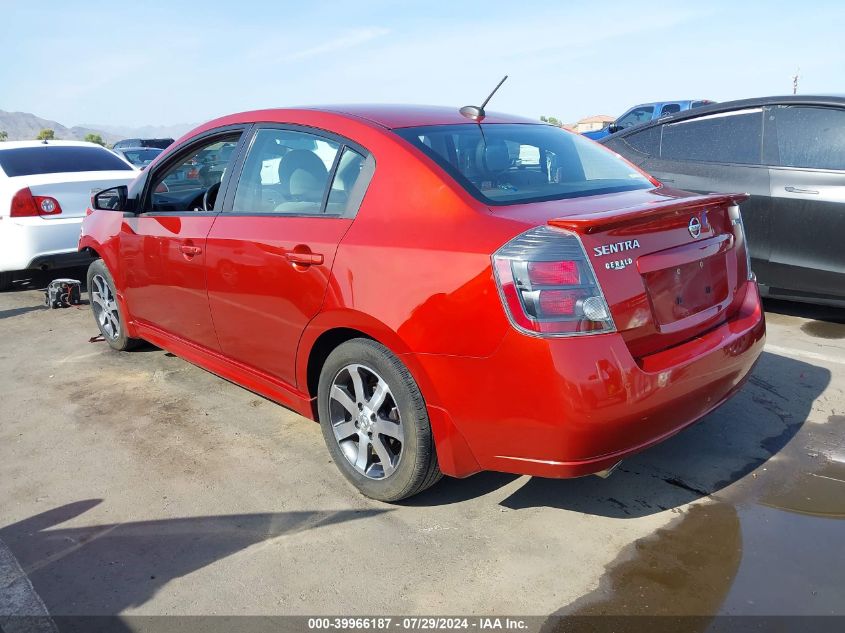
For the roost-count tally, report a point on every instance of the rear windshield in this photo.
(515, 163)
(55, 159)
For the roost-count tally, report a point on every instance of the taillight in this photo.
(548, 285)
(24, 204)
(736, 220)
(47, 205)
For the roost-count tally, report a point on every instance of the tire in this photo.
(392, 423)
(6, 280)
(101, 292)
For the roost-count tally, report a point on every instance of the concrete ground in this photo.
(136, 483)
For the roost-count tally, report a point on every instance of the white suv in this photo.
(45, 189)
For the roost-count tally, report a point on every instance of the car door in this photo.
(713, 153)
(162, 247)
(805, 148)
(270, 252)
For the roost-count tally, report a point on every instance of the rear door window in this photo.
(58, 159)
(286, 171)
(805, 136)
(729, 137)
(349, 183)
(636, 116)
(293, 172)
(670, 108)
(142, 156)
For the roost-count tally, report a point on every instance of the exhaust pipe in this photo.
(604, 474)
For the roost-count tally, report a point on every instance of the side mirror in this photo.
(113, 199)
(613, 128)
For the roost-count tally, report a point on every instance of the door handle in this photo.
(304, 259)
(189, 250)
(791, 189)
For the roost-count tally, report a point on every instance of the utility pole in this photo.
(795, 78)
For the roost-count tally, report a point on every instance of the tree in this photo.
(95, 138)
(552, 120)
(46, 135)
(4, 136)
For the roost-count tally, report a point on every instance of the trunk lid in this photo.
(670, 264)
(72, 190)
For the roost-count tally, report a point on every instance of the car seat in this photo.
(302, 178)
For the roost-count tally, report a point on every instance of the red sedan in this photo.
(443, 295)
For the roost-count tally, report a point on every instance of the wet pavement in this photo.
(138, 484)
(772, 543)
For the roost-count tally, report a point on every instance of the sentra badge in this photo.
(617, 247)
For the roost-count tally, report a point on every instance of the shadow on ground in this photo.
(828, 314)
(108, 568)
(38, 279)
(13, 312)
(724, 447)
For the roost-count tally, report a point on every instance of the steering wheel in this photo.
(210, 197)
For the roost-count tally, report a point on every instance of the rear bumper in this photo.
(572, 407)
(38, 242)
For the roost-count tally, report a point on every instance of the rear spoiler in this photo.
(592, 222)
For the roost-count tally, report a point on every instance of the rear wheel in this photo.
(104, 305)
(375, 423)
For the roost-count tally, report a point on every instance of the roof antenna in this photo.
(476, 113)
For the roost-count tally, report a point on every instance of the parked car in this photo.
(45, 188)
(644, 113)
(160, 143)
(789, 154)
(439, 303)
(138, 156)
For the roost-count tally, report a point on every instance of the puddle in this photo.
(820, 493)
(684, 569)
(771, 544)
(791, 565)
(824, 329)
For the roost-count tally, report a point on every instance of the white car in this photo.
(45, 189)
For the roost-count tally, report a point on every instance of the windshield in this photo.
(515, 163)
(141, 156)
(57, 159)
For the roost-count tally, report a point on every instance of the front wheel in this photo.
(107, 314)
(375, 423)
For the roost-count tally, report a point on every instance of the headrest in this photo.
(492, 157)
(302, 174)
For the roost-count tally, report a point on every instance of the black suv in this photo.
(161, 143)
(789, 154)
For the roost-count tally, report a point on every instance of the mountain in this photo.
(145, 131)
(23, 126)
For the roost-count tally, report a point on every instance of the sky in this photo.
(136, 63)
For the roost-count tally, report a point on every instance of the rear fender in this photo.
(453, 453)
(369, 326)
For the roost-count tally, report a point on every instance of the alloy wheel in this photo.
(104, 304)
(366, 421)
